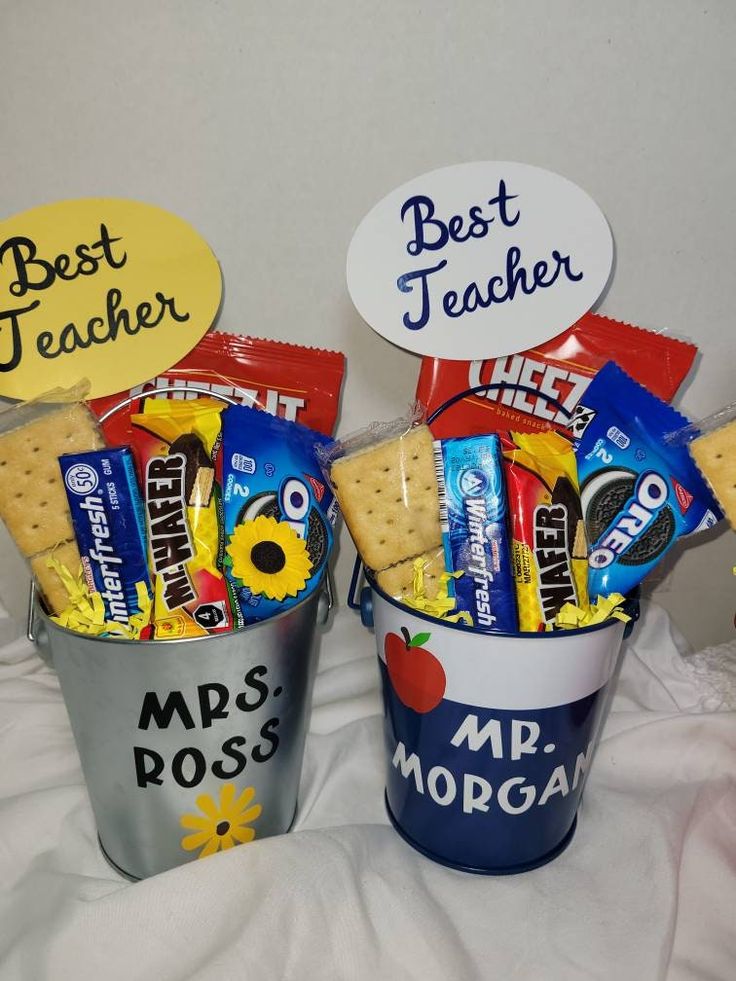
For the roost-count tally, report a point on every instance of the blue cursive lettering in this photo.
(498, 289)
(403, 283)
(432, 233)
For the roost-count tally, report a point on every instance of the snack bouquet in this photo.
(189, 506)
(537, 503)
(157, 522)
(503, 536)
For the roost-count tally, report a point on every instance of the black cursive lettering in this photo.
(35, 273)
(99, 330)
(16, 341)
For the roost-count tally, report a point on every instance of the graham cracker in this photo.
(33, 502)
(388, 496)
(715, 455)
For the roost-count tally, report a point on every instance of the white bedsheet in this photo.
(646, 890)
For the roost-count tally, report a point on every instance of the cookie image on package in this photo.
(715, 456)
(316, 539)
(564, 493)
(388, 496)
(605, 496)
(199, 475)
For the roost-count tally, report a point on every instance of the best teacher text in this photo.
(32, 273)
(431, 233)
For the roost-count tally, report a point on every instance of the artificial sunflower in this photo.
(269, 557)
(220, 827)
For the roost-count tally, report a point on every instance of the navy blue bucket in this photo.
(489, 736)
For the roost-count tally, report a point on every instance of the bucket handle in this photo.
(31, 617)
(162, 390)
(495, 387)
(35, 630)
(326, 601)
(360, 599)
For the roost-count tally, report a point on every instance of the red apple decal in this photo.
(417, 676)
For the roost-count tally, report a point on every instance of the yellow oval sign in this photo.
(111, 290)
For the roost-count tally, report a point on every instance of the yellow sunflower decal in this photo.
(269, 557)
(220, 826)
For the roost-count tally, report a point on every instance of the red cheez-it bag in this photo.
(560, 368)
(298, 383)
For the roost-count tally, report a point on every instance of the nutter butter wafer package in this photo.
(639, 492)
(559, 369)
(474, 515)
(549, 545)
(277, 512)
(177, 474)
(107, 515)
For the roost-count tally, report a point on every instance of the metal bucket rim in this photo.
(489, 632)
(49, 624)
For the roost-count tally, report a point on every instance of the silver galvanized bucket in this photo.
(189, 746)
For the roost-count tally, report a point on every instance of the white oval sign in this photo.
(479, 260)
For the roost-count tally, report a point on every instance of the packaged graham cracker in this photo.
(712, 445)
(385, 483)
(33, 502)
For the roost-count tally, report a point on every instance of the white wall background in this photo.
(273, 127)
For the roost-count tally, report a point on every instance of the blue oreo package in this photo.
(277, 512)
(473, 516)
(107, 515)
(639, 493)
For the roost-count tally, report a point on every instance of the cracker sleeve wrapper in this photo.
(33, 503)
(181, 503)
(639, 492)
(277, 512)
(548, 538)
(711, 443)
(385, 482)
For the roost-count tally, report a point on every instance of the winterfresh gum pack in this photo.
(277, 512)
(473, 515)
(107, 516)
